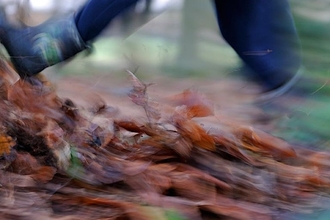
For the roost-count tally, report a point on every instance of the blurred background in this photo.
(177, 44)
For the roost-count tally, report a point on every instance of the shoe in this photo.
(32, 49)
(279, 91)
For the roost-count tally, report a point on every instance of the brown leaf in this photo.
(297, 174)
(138, 93)
(24, 164)
(135, 167)
(129, 125)
(192, 131)
(44, 174)
(191, 187)
(196, 103)
(183, 147)
(230, 146)
(203, 176)
(140, 97)
(261, 142)
(6, 143)
(34, 98)
(12, 179)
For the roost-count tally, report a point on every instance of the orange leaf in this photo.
(131, 126)
(257, 140)
(194, 132)
(197, 104)
(6, 143)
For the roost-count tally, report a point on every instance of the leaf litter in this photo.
(61, 161)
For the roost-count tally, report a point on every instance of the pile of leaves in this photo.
(61, 161)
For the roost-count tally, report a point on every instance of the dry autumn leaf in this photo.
(6, 143)
(193, 131)
(261, 142)
(196, 103)
(140, 97)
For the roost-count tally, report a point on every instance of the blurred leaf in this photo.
(44, 174)
(197, 105)
(261, 142)
(6, 143)
(139, 96)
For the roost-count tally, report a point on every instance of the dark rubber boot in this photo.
(32, 49)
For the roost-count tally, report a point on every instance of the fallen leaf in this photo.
(196, 103)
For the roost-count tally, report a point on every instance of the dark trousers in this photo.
(96, 15)
(262, 33)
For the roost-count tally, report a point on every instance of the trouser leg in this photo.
(263, 34)
(95, 16)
